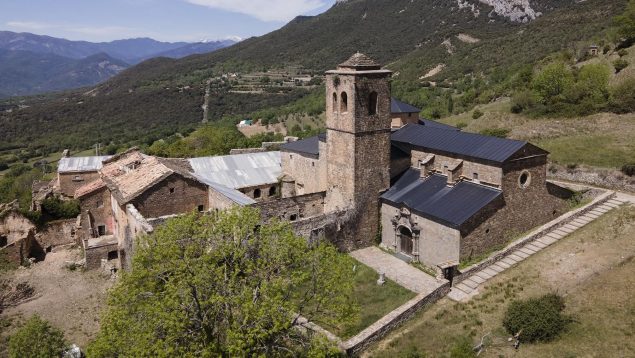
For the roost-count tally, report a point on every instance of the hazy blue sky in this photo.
(166, 20)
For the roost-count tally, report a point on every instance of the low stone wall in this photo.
(58, 233)
(604, 178)
(392, 320)
(94, 255)
(293, 208)
(18, 251)
(534, 235)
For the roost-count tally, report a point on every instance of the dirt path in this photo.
(70, 300)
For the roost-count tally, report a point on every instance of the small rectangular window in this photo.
(101, 230)
(171, 190)
(100, 204)
(201, 208)
(78, 178)
(475, 176)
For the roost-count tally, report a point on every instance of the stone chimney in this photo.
(425, 166)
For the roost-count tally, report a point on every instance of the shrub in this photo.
(61, 209)
(477, 114)
(4, 166)
(461, 125)
(496, 132)
(623, 96)
(620, 64)
(552, 82)
(462, 348)
(37, 338)
(523, 100)
(623, 52)
(629, 169)
(536, 319)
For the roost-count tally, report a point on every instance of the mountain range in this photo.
(452, 42)
(31, 64)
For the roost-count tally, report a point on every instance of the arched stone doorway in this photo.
(405, 240)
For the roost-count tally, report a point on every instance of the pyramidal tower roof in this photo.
(360, 62)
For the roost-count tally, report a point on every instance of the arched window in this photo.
(372, 103)
(257, 193)
(334, 102)
(272, 191)
(344, 104)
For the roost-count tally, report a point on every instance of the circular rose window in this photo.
(524, 179)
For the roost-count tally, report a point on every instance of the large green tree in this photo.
(222, 285)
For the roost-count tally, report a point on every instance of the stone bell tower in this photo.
(358, 142)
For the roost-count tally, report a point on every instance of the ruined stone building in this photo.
(379, 174)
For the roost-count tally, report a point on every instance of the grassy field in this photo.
(375, 301)
(592, 269)
(602, 140)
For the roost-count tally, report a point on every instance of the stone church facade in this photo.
(424, 190)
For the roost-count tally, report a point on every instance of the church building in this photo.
(426, 191)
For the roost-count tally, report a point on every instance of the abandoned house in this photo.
(436, 195)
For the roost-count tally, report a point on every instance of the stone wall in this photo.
(392, 320)
(96, 212)
(401, 119)
(17, 235)
(58, 233)
(94, 255)
(487, 173)
(70, 182)
(535, 234)
(18, 251)
(174, 195)
(293, 208)
(522, 209)
(308, 172)
(262, 192)
(218, 201)
(437, 244)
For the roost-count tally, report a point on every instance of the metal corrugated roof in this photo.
(435, 124)
(81, 164)
(396, 106)
(231, 194)
(433, 199)
(239, 170)
(309, 146)
(465, 144)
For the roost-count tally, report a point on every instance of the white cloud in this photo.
(94, 32)
(266, 10)
(30, 25)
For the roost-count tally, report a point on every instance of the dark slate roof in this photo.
(435, 124)
(456, 142)
(310, 146)
(434, 200)
(396, 106)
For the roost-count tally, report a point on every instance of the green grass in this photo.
(374, 301)
(597, 150)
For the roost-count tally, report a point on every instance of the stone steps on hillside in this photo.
(468, 288)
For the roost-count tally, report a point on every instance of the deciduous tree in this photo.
(221, 285)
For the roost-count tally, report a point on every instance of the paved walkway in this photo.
(469, 287)
(399, 271)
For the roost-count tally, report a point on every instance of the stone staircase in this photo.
(468, 286)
